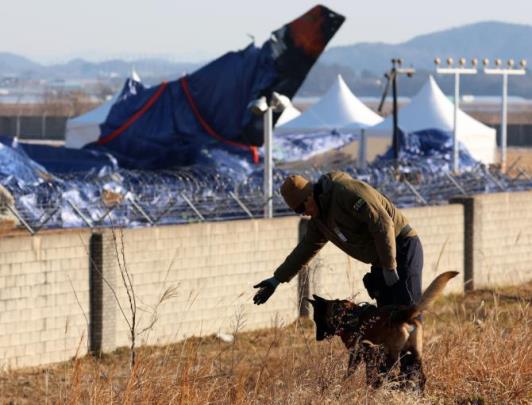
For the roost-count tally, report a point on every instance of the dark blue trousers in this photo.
(409, 259)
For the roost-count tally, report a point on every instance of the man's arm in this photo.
(306, 249)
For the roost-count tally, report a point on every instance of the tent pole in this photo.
(456, 163)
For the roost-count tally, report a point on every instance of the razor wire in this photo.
(130, 198)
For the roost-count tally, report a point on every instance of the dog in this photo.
(381, 336)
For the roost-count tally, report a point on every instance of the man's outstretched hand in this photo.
(266, 289)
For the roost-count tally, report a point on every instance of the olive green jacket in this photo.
(356, 218)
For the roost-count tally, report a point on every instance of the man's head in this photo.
(297, 193)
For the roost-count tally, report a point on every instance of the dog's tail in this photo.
(434, 290)
(429, 296)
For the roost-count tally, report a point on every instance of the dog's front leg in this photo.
(374, 358)
(355, 357)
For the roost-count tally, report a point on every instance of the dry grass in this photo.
(477, 350)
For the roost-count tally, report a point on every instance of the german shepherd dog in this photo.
(382, 337)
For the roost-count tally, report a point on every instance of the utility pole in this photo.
(396, 70)
(461, 69)
(504, 72)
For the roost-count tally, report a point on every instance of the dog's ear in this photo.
(318, 298)
(309, 300)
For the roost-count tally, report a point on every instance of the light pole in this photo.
(504, 72)
(261, 106)
(461, 69)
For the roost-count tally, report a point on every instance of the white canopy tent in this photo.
(85, 128)
(336, 109)
(431, 109)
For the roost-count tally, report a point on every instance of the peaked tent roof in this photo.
(85, 128)
(336, 109)
(431, 109)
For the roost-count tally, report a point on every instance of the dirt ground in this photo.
(477, 351)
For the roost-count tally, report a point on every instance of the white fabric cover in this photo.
(431, 109)
(336, 109)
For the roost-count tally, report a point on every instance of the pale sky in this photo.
(196, 30)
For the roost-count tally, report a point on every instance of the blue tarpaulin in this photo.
(430, 144)
(63, 160)
(170, 124)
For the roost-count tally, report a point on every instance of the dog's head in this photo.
(329, 315)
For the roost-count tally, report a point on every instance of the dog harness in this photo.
(350, 318)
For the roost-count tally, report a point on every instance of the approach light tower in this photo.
(461, 69)
(504, 71)
(261, 106)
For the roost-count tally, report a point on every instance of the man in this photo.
(362, 222)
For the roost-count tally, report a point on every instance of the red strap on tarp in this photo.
(207, 127)
(108, 138)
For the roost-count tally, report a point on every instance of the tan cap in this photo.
(295, 190)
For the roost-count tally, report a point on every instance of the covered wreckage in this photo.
(198, 125)
(175, 123)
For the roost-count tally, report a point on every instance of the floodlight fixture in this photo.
(462, 61)
(474, 62)
(510, 62)
(279, 102)
(485, 61)
(498, 62)
(522, 62)
(437, 61)
(450, 61)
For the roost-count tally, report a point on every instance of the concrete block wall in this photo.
(44, 297)
(502, 239)
(441, 230)
(211, 267)
(333, 274)
(51, 302)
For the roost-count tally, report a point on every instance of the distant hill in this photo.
(362, 65)
(480, 40)
(16, 65)
(19, 66)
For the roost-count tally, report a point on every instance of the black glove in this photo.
(266, 289)
(372, 285)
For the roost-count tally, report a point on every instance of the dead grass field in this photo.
(477, 351)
